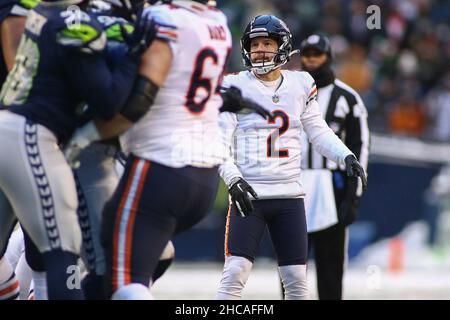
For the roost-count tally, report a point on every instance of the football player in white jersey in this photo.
(174, 143)
(97, 176)
(265, 161)
(99, 171)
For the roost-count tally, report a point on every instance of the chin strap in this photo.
(259, 71)
(267, 69)
(297, 51)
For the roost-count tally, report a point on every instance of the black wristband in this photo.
(140, 100)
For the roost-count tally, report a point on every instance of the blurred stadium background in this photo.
(400, 246)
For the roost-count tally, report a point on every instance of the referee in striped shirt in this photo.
(332, 197)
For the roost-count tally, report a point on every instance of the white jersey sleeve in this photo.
(324, 140)
(167, 28)
(228, 123)
(228, 170)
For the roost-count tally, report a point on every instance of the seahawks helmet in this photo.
(130, 8)
(211, 3)
(100, 6)
(274, 28)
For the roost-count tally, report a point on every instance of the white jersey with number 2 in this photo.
(267, 153)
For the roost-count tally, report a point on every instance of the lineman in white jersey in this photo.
(99, 172)
(170, 180)
(96, 179)
(266, 160)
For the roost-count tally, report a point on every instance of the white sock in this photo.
(294, 282)
(133, 291)
(236, 271)
(31, 291)
(16, 247)
(40, 285)
(9, 285)
(168, 252)
(24, 275)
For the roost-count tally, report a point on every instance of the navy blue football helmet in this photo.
(274, 28)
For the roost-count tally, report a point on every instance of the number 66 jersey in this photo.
(181, 128)
(267, 153)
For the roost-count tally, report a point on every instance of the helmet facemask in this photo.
(279, 58)
(128, 9)
(211, 3)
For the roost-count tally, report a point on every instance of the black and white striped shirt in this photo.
(345, 113)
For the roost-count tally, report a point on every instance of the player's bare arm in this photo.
(10, 33)
(155, 66)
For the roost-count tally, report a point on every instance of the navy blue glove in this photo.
(234, 102)
(347, 200)
(354, 169)
(142, 36)
(240, 199)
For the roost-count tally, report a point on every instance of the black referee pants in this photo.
(330, 251)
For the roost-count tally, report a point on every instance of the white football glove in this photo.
(81, 138)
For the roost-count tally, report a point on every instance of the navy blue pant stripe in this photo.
(85, 225)
(42, 184)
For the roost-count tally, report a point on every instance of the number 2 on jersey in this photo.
(271, 151)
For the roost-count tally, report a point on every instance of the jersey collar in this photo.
(193, 6)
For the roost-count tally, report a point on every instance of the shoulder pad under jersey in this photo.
(81, 31)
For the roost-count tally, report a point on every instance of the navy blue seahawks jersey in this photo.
(115, 46)
(5, 9)
(59, 66)
(16, 8)
(111, 21)
(10, 8)
(3, 69)
(112, 26)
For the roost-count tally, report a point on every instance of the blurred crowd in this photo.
(401, 69)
